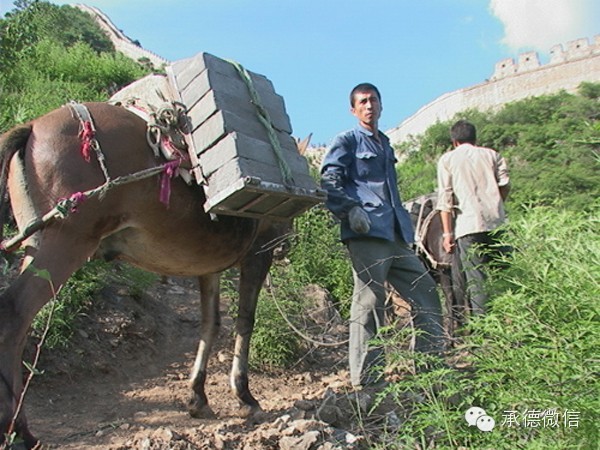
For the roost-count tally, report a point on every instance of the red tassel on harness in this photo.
(86, 134)
(165, 181)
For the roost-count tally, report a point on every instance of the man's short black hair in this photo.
(364, 87)
(463, 132)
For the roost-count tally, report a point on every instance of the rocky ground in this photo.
(123, 385)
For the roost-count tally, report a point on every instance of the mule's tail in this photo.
(11, 142)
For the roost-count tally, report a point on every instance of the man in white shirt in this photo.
(473, 184)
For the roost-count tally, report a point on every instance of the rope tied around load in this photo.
(265, 119)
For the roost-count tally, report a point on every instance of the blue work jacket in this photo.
(359, 171)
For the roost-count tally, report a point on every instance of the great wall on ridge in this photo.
(527, 77)
(122, 43)
(511, 80)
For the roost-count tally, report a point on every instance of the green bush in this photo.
(317, 256)
(77, 294)
(50, 55)
(52, 76)
(274, 344)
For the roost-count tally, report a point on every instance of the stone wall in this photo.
(512, 80)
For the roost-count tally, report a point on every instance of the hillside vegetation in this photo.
(550, 142)
(52, 54)
(535, 352)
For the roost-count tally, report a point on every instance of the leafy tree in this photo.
(33, 21)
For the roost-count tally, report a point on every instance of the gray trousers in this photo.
(375, 261)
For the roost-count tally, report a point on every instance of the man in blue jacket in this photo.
(360, 179)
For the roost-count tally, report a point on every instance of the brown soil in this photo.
(123, 383)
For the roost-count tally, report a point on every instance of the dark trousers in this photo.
(476, 251)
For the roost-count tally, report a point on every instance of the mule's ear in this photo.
(303, 144)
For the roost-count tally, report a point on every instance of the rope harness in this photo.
(69, 205)
(422, 227)
(87, 134)
(66, 206)
(166, 129)
(168, 124)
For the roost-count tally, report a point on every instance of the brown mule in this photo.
(444, 266)
(43, 164)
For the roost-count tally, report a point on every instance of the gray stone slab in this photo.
(222, 123)
(224, 100)
(237, 145)
(241, 168)
(186, 70)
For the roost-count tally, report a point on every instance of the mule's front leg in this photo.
(239, 372)
(253, 271)
(210, 324)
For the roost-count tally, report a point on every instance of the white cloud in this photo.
(540, 24)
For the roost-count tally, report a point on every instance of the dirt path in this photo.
(124, 382)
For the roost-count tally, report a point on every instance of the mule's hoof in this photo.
(201, 412)
(247, 411)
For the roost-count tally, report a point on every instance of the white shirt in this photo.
(469, 178)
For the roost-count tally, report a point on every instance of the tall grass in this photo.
(534, 359)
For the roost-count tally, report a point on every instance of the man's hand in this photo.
(359, 220)
(449, 243)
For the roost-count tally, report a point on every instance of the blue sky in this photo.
(315, 51)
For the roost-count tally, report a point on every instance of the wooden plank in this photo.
(236, 145)
(260, 200)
